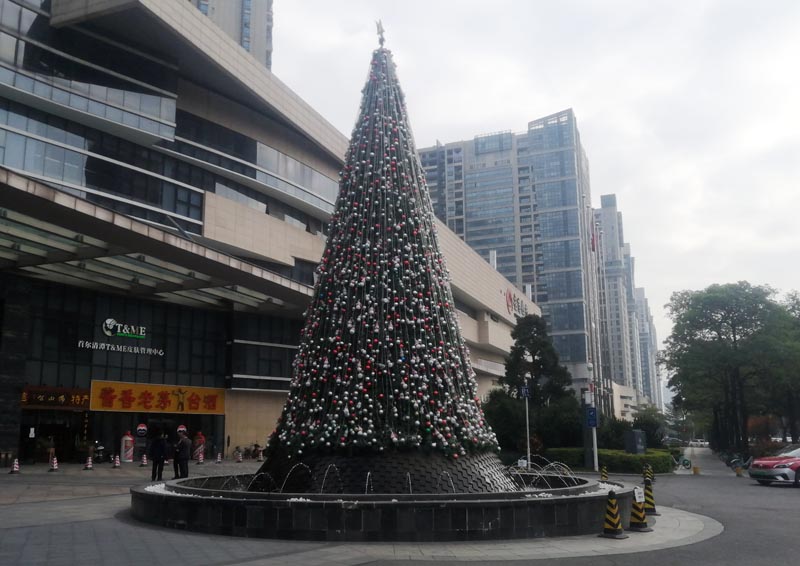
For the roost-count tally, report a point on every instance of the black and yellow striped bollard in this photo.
(638, 521)
(612, 525)
(603, 474)
(649, 499)
(647, 473)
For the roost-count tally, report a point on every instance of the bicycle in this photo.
(682, 462)
(738, 462)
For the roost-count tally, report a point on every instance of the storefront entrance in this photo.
(109, 427)
(63, 428)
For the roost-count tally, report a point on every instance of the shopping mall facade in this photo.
(163, 205)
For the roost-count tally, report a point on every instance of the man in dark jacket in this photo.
(158, 453)
(183, 451)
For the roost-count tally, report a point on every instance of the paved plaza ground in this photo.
(78, 517)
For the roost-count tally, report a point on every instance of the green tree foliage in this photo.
(559, 423)
(652, 422)
(729, 349)
(554, 411)
(507, 418)
(777, 368)
(533, 361)
(611, 433)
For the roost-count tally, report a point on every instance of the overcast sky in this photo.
(689, 111)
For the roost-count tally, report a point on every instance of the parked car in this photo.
(672, 441)
(699, 443)
(781, 468)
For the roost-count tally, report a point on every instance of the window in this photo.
(558, 224)
(246, 17)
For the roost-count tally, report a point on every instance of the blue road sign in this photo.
(591, 417)
(524, 392)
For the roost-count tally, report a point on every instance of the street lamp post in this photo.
(593, 425)
(593, 411)
(525, 391)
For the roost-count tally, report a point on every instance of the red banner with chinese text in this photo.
(150, 398)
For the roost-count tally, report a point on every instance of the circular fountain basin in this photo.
(209, 505)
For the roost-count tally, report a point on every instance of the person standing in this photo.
(158, 453)
(183, 451)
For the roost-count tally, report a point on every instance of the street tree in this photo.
(653, 423)
(533, 362)
(711, 351)
(778, 367)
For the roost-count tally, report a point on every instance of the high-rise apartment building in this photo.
(526, 198)
(248, 22)
(629, 338)
(648, 349)
(617, 357)
(633, 322)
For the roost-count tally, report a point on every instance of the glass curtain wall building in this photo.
(526, 197)
(127, 131)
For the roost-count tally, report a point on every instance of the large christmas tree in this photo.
(382, 385)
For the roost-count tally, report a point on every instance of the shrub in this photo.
(616, 461)
(621, 462)
(572, 457)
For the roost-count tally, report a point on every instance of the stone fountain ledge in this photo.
(569, 511)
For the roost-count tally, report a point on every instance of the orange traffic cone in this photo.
(15, 467)
(260, 456)
(219, 457)
(88, 465)
(238, 457)
(116, 462)
(200, 458)
(53, 465)
(144, 461)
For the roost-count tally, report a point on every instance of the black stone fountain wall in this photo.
(415, 518)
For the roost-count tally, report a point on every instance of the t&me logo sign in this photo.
(112, 328)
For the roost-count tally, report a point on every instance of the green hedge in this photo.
(616, 461)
